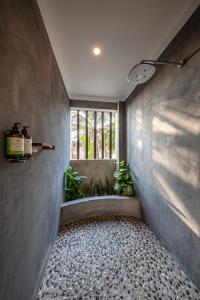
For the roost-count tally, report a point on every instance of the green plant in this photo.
(87, 189)
(99, 188)
(72, 184)
(103, 187)
(109, 188)
(123, 184)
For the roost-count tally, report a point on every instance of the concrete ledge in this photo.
(99, 206)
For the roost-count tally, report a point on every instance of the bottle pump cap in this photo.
(24, 130)
(16, 127)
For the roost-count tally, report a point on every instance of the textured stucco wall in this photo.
(163, 139)
(95, 168)
(31, 92)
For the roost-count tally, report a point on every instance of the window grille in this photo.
(93, 134)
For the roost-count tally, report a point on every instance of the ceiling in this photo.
(127, 31)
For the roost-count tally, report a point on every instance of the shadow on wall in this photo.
(175, 155)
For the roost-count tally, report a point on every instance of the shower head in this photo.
(141, 73)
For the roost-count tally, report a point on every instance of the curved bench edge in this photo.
(99, 206)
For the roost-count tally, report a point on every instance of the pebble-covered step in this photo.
(113, 258)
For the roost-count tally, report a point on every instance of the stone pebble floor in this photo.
(112, 258)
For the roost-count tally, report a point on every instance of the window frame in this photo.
(95, 111)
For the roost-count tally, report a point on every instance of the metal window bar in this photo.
(86, 134)
(95, 135)
(102, 134)
(110, 144)
(78, 134)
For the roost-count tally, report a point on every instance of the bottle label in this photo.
(28, 146)
(14, 146)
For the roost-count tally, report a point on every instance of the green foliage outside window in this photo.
(82, 134)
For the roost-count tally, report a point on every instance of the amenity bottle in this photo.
(15, 143)
(27, 143)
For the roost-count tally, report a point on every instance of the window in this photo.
(93, 134)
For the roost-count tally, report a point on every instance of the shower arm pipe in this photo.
(179, 64)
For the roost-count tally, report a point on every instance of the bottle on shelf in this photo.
(27, 143)
(15, 143)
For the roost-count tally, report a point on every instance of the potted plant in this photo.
(72, 182)
(123, 184)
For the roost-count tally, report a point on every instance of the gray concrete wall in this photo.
(163, 138)
(31, 92)
(95, 168)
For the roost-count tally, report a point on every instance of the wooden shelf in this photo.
(37, 147)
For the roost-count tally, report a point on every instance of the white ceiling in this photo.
(126, 30)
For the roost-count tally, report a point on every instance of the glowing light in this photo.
(96, 51)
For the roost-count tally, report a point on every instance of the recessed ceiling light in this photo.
(96, 51)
